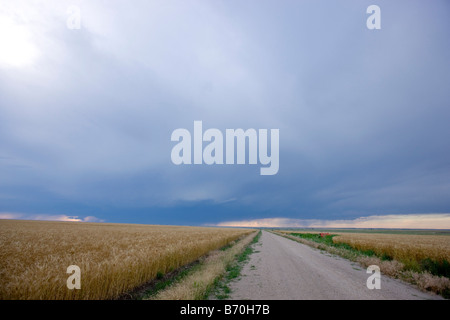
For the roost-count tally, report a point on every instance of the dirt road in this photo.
(282, 269)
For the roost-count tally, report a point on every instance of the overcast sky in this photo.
(86, 115)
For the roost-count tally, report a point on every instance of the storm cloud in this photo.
(86, 117)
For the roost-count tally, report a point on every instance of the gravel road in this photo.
(282, 269)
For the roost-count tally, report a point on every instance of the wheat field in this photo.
(408, 248)
(113, 258)
(401, 247)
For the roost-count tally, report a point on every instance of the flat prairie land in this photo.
(408, 247)
(113, 258)
(421, 257)
(401, 247)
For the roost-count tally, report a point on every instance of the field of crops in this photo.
(416, 250)
(113, 258)
(408, 249)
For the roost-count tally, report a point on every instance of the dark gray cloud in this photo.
(85, 126)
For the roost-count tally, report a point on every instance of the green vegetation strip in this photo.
(167, 281)
(163, 281)
(328, 240)
(221, 289)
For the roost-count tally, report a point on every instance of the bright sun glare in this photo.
(17, 48)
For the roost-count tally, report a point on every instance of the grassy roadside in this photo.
(411, 260)
(196, 283)
(221, 289)
(424, 280)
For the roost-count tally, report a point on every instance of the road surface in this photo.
(282, 269)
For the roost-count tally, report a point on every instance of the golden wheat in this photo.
(402, 247)
(113, 258)
(194, 286)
